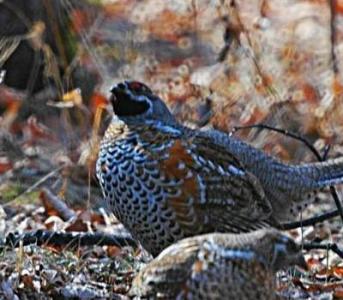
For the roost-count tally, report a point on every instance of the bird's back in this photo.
(211, 266)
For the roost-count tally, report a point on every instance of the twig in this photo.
(86, 40)
(17, 12)
(284, 132)
(252, 55)
(227, 43)
(51, 200)
(330, 246)
(308, 145)
(333, 36)
(326, 151)
(310, 221)
(72, 239)
(35, 185)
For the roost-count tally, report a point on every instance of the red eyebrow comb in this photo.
(135, 85)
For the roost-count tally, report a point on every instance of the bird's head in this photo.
(134, 100)
(283, 251)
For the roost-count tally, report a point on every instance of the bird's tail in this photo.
(321, 174)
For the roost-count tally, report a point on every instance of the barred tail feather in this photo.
(323, 174)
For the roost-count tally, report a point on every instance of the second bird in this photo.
(165, 181)
(219, 266)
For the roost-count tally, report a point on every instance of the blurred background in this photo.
(223, 63)
(216, 63)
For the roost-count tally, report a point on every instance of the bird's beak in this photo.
(118, 87)
(113, 89)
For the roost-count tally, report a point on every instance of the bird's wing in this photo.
(205, 184)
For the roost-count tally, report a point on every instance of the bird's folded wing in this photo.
(211, 184)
